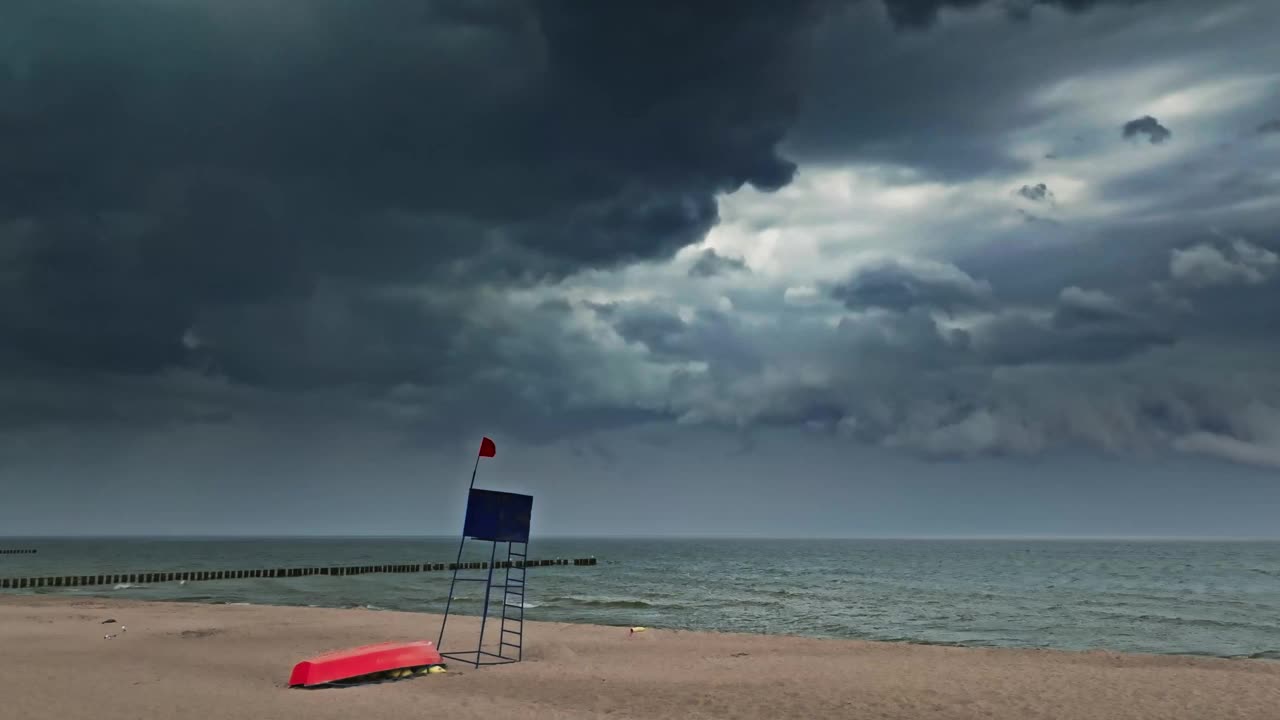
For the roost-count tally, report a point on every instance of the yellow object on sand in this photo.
(638, 629)
(434, 669)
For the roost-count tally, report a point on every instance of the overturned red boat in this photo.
(365, 660)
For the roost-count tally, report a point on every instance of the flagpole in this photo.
(474, 469)
(461, 541)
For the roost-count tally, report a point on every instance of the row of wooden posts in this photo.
(16, 551)
(198, 575)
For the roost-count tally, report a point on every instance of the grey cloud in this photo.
(1019, 340)
(1149, 126)
(710, 263)
(1086, 326)
(1132, 405)
(1092, 369)
(1032, 218)
(657, 329)
(1210, 188)
(1078, 306)
(901, 284)
(603, 309)
(1230, 448)
(945, 99)
(708, 336)
(1206, 265)
(1249, 183)
(1271, 126)
(1249, 436)
(1036, 193)
(1021, 414)
(923, 13)
(903, 382)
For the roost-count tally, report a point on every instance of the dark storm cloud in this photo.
(894, 284)
(922, 13)
(344, 206)
(711, 263)
(210, 165)
(1271, 126)
(365, 106)
(1149, 126)
(268, 180)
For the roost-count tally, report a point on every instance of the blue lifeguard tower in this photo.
(496, 518)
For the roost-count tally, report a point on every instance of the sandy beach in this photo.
(179, 660)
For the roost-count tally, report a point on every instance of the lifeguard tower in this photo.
(496, 518)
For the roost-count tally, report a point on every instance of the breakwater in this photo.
(134, 578)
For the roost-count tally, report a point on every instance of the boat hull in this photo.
(364, 660)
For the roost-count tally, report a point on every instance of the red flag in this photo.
(487, 448)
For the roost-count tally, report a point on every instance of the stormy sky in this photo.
(830, 267)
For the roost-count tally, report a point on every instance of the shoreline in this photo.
(198, 659)
(1263, 656)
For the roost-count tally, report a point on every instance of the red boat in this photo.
(367, 660)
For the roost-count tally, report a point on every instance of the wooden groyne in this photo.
(17, 551)
(206, 575)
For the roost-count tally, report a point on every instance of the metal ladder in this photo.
(513, 588)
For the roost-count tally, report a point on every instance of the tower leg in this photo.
(488, 587)
(449, 601)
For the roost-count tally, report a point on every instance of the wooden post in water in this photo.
(335, 570)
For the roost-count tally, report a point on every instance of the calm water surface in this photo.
(1209, 598)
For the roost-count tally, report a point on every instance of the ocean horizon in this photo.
(1203, 596)
(8, 539)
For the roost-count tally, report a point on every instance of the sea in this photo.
(1215, 598)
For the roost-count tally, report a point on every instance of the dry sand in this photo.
(208, 662)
